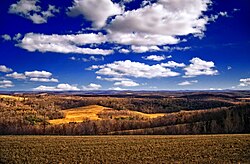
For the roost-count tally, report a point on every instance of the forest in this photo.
(125, 113)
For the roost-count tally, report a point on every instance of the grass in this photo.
(91, 112)
(79, 114)
(125, 149)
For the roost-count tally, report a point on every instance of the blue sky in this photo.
(124, 44)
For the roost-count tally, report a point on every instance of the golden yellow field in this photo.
(12, 97)
(92, 112)
(148, 115)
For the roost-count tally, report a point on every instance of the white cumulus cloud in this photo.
(173, 64)
(63, 43)
(124, 51)
(200, 67)
(166, 18)
(38, 74)
(6, 84)
(142, 39)
(92, 86)
(116, 88)
(188, 82)
(44, 79)
(16, 75)
(97, 11)
(155, 57)
(128, 68)
(59, 87)
(126, 83)
(142, 49)
(5, 69)
(112, 78)
(30, 10)
(244, 82)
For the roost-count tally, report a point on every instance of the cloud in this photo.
(92, 86)
(89, 59)
(236, 10)
(229, 67)
(155, 57)
(127, 1)
(112, 78)
(142, 49)
(16, 75)
(92, 58)
(213, 18)
(116, 89)
(141, 39)
(173, 64)
(215, 89)
(29, 10)
(165, 18)
(244, 82)
(6, 37)
(169, 56)
(177, 48)
(133, 69)
(124, 51)
(6, 84)
(126, 83)
(5, 69)
(17, 36)
(188, 82)
(97, 11)
(44, 79)
(224, 14)
(59, 87)
(151, 27)
(38, 74)
(63, 43)
(73, 58)
(200, 67)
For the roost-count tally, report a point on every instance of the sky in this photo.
(124, 45)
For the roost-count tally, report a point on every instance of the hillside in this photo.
(18, 98)
(134, 113)
(97, 112)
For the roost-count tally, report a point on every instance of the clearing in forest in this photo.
(97, 112)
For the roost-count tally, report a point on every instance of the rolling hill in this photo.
(97, 112)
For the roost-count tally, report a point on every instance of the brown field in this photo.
(91, 112)
(12, 97)
(126, 149)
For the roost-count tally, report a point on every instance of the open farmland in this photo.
(95, 112)
(125, 149)
(12, 97)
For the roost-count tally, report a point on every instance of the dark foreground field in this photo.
(125, 149)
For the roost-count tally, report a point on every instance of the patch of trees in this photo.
(166, 105)
(146, 105)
